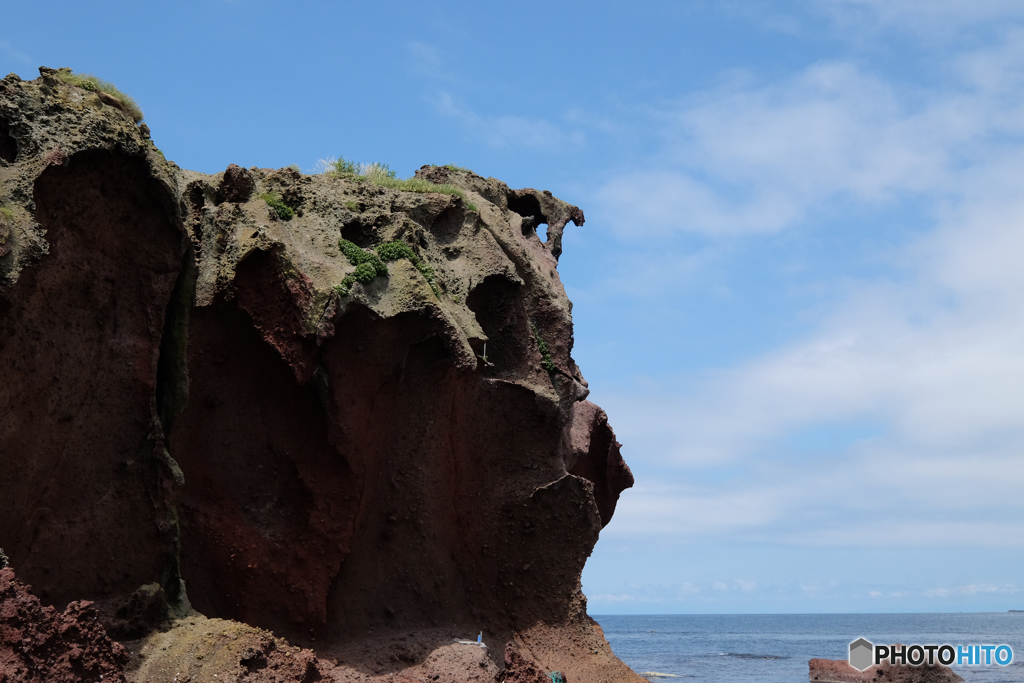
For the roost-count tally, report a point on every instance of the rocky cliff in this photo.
(339, 411)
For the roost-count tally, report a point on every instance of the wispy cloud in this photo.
(508, 131)
(920, 370)
(971, 589)
(498, 130)
(759, 158)
(428, 61)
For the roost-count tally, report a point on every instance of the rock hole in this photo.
(359, 234)
(8, 145)
(498, 306)
(528, 207)
(197, 199)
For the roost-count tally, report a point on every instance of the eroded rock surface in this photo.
(194, 403)
(840, 671)
(40, 645)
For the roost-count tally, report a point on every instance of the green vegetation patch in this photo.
(273, 200)
(546, 360)
(392, 251)
(370, 264)
(93, 84)
(382, 175)
(7, 214)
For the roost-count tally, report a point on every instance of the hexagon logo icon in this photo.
(861, 654)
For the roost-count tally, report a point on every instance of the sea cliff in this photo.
(264, 405)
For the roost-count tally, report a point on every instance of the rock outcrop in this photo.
(39, 645)
(840, 671)
(199, 400)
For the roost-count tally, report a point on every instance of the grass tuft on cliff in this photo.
(93, 84)
(382, 175)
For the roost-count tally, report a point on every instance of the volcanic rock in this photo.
(40, 645)
(519, 669)
(198, 400)
(840, 671)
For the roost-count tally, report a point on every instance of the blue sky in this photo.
(798, 292)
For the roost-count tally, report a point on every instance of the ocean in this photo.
(775, 648)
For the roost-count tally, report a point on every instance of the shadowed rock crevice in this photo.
(500, 310)
(529, 209)
(172, 366)
(8, 145)
(361, 232)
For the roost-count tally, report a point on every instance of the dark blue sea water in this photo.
(775, 648)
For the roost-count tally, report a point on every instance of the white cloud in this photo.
(763, 157)
(501, 130)
(658, 203)
(924, 372)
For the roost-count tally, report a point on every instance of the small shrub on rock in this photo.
(283, 211)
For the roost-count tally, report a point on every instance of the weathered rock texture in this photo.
(190, 401)
(840, 671)
(40, 645)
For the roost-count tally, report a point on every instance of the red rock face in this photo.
(596, 457)
(83, 513)
(421, 496)
(40, 645)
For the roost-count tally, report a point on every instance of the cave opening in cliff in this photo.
(359, 233)
(528, 207)
(8, 145)
(498, 305)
